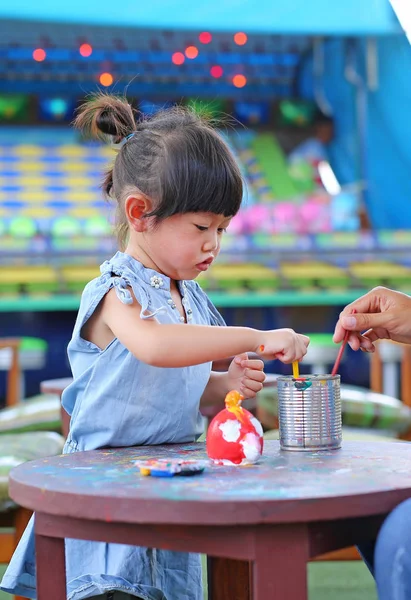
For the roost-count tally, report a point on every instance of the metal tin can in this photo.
(309, 412)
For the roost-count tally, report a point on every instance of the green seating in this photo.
(350, 434)
(22, 435)
(28, 430)
(40, 413)
(18, 448)
(360, 408)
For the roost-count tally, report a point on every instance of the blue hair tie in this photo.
(120, 144)
(130, 135)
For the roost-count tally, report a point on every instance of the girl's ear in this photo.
(136, 207)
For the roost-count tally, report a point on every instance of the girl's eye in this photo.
(222, 229)
(201, 228)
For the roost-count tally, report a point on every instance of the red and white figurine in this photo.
(235, 436)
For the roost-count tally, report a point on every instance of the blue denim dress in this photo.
(116, 400)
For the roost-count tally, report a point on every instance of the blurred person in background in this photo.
(315, 149)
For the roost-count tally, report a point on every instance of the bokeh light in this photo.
(58, 106)
(205, 37)
(85, 50)
(239, 81)
(39, 54)
(106, 79)
(216, 71)
(240, 38)
(178, 58)
(191, 52)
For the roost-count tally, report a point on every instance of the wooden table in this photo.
(277, 514)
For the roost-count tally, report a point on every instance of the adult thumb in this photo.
(360, 322)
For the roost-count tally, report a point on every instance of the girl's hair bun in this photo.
(105, 115)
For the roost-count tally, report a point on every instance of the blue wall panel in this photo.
(377, 147)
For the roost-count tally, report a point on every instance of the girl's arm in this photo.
(175, 345)
(216, 390)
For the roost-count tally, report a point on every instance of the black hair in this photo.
(176, 159)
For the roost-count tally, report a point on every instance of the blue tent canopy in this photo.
(350, 17)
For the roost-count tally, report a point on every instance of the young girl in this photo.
(145, 334)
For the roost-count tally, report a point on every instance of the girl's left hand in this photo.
(245, 375)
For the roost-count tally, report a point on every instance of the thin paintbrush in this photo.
(341, 351)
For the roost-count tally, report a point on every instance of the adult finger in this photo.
(339, 333)
(359, 322)
(367, 339)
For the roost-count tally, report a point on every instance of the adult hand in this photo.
(380, 314)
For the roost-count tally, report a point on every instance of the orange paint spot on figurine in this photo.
(235, 436)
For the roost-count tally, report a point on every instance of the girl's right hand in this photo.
(284, 344)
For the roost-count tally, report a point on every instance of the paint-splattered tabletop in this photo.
(362, 478)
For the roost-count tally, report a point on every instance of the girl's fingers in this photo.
(285, 358)
(255, 375)
(251, 385)
(305, 340)
(255, 364)
(247, 394)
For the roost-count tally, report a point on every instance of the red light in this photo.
(106, 79)
(240, 38)
(216, 71)
(39, 54)
(205, 37)
(239, 81)
(191, 52)
(85, 50)
(178, 58)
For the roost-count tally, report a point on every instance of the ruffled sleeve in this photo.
(123, 280)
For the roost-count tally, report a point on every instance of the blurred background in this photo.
(313, 98)
(313, 102)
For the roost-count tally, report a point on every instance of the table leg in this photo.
(50, 568)
(280, 564)
(228, 579)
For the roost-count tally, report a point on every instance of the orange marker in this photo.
(261, 349)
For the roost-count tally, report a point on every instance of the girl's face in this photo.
(184, 245)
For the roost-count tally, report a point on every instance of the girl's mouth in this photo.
(203, 266)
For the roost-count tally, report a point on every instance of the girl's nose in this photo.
(212, 243)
